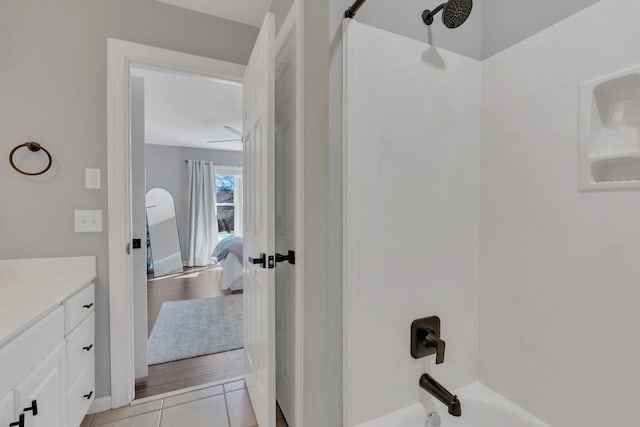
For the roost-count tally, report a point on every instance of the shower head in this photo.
(454, 13)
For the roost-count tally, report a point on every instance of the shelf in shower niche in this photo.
(616, 168)
(610, 132)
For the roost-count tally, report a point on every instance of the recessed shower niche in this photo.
(610, 132)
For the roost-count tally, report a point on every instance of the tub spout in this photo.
(436, 389)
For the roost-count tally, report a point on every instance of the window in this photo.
(229, 202)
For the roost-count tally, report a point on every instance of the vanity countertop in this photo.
(32, 288)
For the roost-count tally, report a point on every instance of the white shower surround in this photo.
(411, 199)
(557, 267)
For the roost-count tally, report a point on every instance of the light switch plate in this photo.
(92, 179)
(88, 221)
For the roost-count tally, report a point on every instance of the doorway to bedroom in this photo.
(186, 130)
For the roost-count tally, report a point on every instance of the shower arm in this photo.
(351, 12)
(435, 11)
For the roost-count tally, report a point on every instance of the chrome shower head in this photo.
(454, 13)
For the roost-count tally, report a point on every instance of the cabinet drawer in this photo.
(81, 396)
(23, 354)
(80, 349)
(79, 306)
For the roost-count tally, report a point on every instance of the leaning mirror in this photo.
(164, 242)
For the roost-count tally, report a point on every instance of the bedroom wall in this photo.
(53, 66)
(559, 267)
(411, 216)
(166, 169)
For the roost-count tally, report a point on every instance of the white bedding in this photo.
(231, 272)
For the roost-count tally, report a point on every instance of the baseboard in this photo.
(100, 404)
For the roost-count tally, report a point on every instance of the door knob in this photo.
(262, 260)
(290, 257)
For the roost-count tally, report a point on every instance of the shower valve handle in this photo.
(432, 340)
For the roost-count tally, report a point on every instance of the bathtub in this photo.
(481, 407)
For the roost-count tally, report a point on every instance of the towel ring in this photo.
(34, 147)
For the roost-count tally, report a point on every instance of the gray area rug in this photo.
(197, 327)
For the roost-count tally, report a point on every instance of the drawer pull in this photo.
(87, 306)
(88, 396)
(19, 423)
(88, 348)
(33, 408)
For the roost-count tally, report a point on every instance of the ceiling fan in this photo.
(234, 131)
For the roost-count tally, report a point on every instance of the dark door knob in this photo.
(88, 395)
(290, 257)
(88, 348)
(262, 260)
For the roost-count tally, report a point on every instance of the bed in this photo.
(228, 253)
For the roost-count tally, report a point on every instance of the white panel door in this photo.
(285, 164)
(259, 235)
(41, 395)
(7, 413)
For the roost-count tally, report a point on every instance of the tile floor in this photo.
(225, 405)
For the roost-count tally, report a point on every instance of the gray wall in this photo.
(280, 8)
(405, 18)
(53, 90)
(494, 25)
(507, 22)
(166, 169)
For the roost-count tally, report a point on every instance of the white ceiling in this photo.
(250, 12)
(186, 110)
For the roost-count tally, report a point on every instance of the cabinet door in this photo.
(41, 395)
(7, 413)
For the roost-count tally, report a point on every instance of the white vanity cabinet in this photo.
(80, 325)
(47, 368)
(40, 396)
(7, 411)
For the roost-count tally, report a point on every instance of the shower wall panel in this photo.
(411, 203)
(560, 269)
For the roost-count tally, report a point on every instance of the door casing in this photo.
(309, 19)
(121, 55)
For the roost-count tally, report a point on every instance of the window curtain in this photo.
(203, 224)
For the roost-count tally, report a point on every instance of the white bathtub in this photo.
(481, 407)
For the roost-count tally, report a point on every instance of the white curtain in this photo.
(203, 224)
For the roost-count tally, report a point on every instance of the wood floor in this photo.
(172, 376)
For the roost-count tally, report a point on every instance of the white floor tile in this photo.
(210, 412)
(151, 419)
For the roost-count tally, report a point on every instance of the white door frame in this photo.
(121, 55)
(310, 20)
(289, 30)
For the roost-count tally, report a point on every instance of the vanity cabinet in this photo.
(40, 396)
(80, 326)
(7, 412)
(47, 372)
